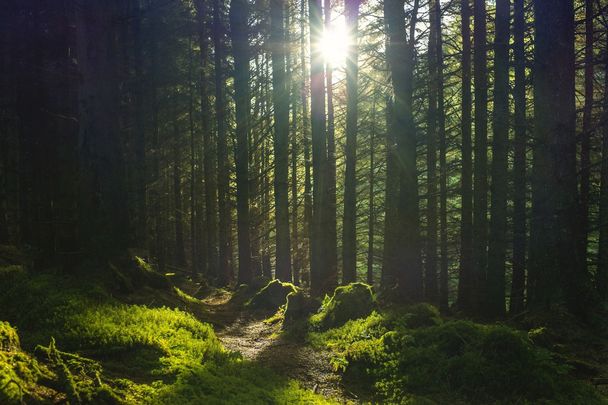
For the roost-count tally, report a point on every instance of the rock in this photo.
(272, 296)
(298, 307)
(348, 302)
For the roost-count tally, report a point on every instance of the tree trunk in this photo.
(497, 251)
(318, 281)
(280, 95)
(180, 253)
(306, 140)
(602, 266)
(519, 162)
(554, 255)
(372, 207)
(400, 55)
(430, 276)
(349, 237)
(223, 164)
(330, 226)
(443, 198)
(239, 13)
(585, 168)
(208, 153)
(391, 197)
(466, 281)
(480, 168)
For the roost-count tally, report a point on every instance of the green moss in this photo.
(119, 353)
(417, 316)
(9, 339)
(348, 302)
(397, 360)
(185, 297)
(18, 371)
(272, 295)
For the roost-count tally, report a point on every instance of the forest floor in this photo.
(258, 339)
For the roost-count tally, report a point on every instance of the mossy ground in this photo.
(84, 339)
(411, 355)
(105, 351)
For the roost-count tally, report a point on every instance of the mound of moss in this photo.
(298, 307)
(272, 296)
(348, 302)
(449, 362)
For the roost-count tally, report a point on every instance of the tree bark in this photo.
(497, 251)
(555, 264)
(330, 225)
(223, 171)
(602, 266)
(239, 13)
(349, 237)
(431, 289)
(585, 162)
(466, 281)
(281, 141)
(480, 168)
(519, 162)
(400, 55)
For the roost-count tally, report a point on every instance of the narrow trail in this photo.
(258, 341)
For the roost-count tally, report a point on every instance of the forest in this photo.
(304, 202)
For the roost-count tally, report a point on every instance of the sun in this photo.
(335, 42)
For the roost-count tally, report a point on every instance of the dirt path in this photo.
(258, 341)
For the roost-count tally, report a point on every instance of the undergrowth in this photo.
(411, 356)
(103, 351)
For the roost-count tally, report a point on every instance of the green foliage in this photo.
(348, 302)
(410, 356)
(272, 296)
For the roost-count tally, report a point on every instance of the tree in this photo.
(239, 12)
(223, 174)
(400, 54)
(330, 225)
(281, 141)
(349, 237)
(602, 267)
(480, 168)
(443, 187)
(495, 301)
(319, 284)
(519, 161)
(431, 289)
(555, 265)
(466, 280)
(585, 161)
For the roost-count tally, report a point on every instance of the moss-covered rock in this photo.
(298, 307)
(348, 302)
(272, 296)
(418, 316)
(134, 273)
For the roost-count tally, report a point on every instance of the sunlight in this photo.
(334, 44)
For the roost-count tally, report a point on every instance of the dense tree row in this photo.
(457, 155)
